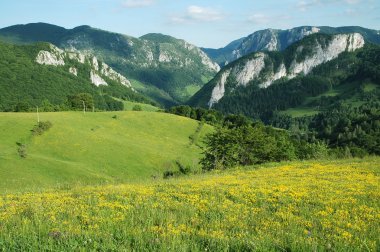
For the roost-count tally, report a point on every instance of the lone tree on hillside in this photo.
(76, 101)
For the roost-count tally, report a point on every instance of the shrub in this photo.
(246, 145)
(137, 108)
(315, 150)
(41, 127)
(21, 150)
(170, 174)
(182, 168)
(358, 152)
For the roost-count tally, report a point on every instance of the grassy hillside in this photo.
(93, 148)
(299, 206)
(129, 106)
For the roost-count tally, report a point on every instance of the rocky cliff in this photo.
(57, 57)
(279, 40)
(263, 68)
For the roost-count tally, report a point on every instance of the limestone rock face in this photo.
(73, 70)
(53, 57)
(218, 91)
(340, 43)
(256, 69)
(96, 79)
(99, 70)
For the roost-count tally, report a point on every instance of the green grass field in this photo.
(192, 89)
(128, 106)
(94, 148)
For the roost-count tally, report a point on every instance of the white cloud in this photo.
(137, 3)
(304, 5)
(196, 13)
(203, 14)
(259, 18)
(262, 20)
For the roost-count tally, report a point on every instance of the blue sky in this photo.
(201, 22)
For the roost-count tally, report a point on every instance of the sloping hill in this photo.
(163, 66)
(94, 148)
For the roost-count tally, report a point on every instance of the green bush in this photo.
(317, 150)
(41, 127)
(182, 168)
(137, 108)
(246, 145)
(170, 174)
(21, 150)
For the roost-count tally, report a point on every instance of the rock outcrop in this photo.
(99, 70)
(255, 68)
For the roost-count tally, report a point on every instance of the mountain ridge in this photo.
(263, 68)
(279, 40)
(164, 69)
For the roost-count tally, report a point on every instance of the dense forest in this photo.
(25, 84)
(352, 130)
(239, 140)
(341, 131)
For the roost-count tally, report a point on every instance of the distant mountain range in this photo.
(309, 75)
(279, 40)
(167, 69)
(170, 71)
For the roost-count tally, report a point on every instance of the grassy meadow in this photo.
(95, 148)
(129, 106)
(296, 206)
(93, 182)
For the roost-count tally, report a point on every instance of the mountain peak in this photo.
(82, 27)
(279, 40)
(43, 27)
(158, 37)
(262, 68)
(34, 32)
